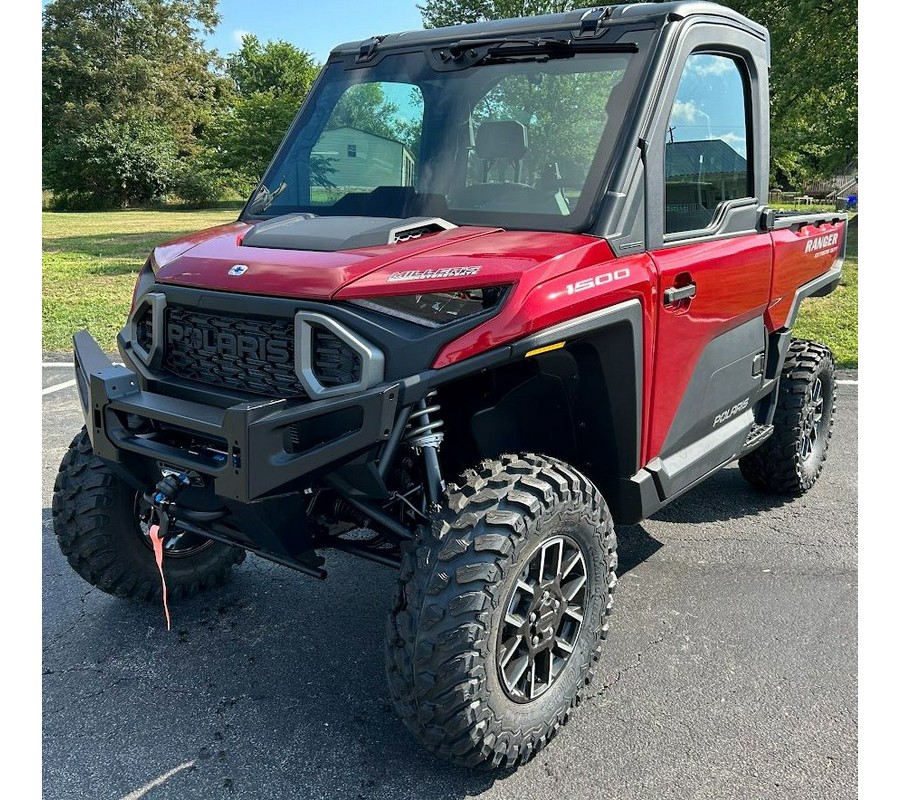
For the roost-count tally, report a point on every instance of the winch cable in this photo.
(162, 501)
(156, 538)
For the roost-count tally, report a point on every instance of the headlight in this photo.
(437, 308)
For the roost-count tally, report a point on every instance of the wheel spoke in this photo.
(573, 561)
(514, 619)
(172, 542)
(543, 618)
(517, 670)
(574, 586)
(511, 649)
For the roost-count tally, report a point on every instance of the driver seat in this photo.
(498, 139)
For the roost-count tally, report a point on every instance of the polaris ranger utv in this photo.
(502, 284)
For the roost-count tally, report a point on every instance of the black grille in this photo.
(235, 352)
(335, 363)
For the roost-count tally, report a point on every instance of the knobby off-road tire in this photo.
(456, 586)
(791, 459)
(96, 522)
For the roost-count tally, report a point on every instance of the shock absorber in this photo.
(423, 433)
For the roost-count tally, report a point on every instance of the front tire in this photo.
(500, 611)
(97, 520)
(791, 459)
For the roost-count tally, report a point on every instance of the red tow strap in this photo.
(157, 541)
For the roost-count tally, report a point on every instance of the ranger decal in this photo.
(822, 244)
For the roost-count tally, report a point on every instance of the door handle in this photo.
(673, 295)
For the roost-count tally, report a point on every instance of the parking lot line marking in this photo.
(141, 791)
(847, 383)
(58, 387)
(57, 363)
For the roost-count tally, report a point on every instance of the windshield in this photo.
(515, 141)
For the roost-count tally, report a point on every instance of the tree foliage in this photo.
(437, 13)
(813, 78)
(813, 84)
(127, 80)
(270, 82)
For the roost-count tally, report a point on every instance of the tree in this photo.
(270, 83)
(131, 79)
(365, 108)
(813, 84)
(437, 13)
(117, 163)
(813, 78)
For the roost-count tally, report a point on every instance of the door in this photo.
(714, 273)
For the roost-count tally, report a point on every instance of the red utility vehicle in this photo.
(502, 284)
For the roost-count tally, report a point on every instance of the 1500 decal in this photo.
(598, 280)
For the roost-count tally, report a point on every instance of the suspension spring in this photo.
(422, 429)
(424, 435)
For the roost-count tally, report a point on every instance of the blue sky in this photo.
(315, 26)
(312, 26)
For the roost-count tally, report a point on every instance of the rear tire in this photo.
(97, 527)
(791, 459)
(453, 649)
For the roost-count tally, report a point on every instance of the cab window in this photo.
(706, 142)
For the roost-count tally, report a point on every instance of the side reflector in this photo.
(547, 349)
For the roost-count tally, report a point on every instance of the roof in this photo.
(367, 133)
(683, 158)
(565, 21)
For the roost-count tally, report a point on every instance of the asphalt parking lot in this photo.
(730, 672)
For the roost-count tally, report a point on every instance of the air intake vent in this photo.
(335, 362)
(418, 229)
(143, 327)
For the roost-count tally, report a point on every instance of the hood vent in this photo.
(330, 234)
(416, 229)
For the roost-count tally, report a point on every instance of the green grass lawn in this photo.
(91, 260)
(90, 263)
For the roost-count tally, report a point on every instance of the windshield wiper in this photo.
(474, 51)
(263, 198)
(466, 53)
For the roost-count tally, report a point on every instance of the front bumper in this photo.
(249, 450)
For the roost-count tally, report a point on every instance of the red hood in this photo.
(203, 260)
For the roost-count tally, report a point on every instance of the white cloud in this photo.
(239, 35)
(703, 65)
(735, 141)
(684, 112)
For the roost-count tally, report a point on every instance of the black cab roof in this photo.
(576, 21)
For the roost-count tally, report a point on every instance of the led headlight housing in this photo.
(436, 309)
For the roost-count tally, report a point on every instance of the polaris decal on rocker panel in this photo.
(735, 409)
(598, 280)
